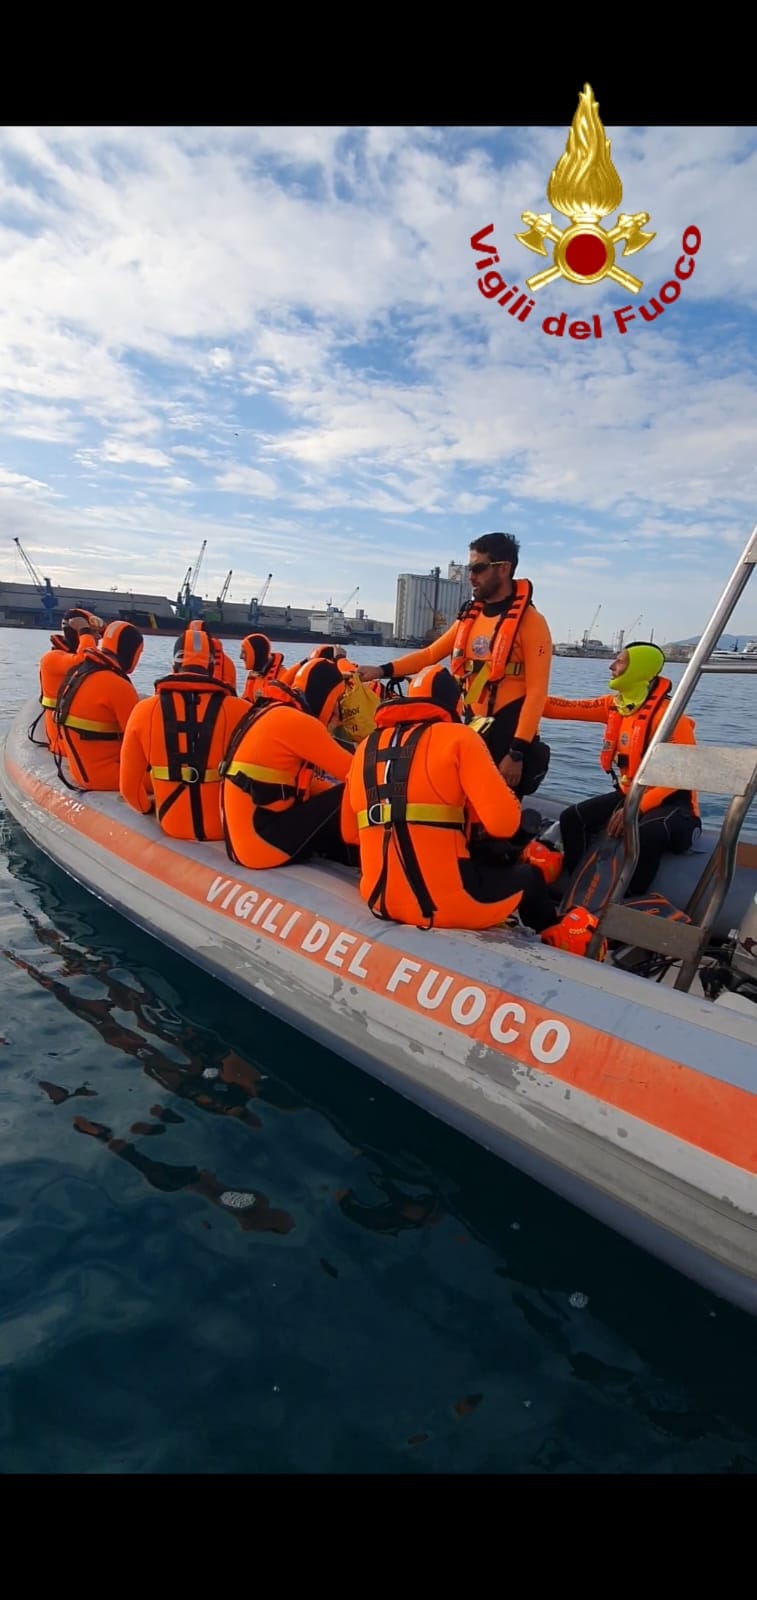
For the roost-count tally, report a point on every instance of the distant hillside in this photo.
(727, 641)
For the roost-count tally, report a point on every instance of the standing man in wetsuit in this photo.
(501, 651)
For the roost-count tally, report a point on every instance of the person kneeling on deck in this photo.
(80, 631)
(95, 701)
(175, 740)
(274, 807)
(414, 787)
(668, 819)
(263, 665)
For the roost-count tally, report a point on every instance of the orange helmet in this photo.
(322, 685)
(437, 684)
(193, 652)
(327, 652)
(95, 623)
(124, 643)
(255, 652)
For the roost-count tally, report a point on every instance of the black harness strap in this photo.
(66, 695)
(276, 791)
(398, 755)
(42, 743)
(199, 735)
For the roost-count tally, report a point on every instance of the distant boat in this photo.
(735, 658)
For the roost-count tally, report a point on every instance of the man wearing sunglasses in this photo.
(501, 651)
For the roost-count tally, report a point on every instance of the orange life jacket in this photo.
(255, 683)
(278, 789)
(498, 664)
(85, 730)
(626, 738)
(275, 788)
(400, 727)
(190, 706)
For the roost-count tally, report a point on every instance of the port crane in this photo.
(632, 629)
(189, 604)
(256, 602)
(589, 633)
(42, 585)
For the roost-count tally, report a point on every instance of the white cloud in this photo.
(290, 315)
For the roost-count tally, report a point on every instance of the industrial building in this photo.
(427, 603)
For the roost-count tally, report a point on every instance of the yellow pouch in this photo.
(357, 710)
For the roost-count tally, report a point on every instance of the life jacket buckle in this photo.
(190, 774)
(375, 821)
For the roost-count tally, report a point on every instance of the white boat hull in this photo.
(634, 1102)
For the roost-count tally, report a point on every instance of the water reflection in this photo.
(499, 1250)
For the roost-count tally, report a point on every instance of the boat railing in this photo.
(708, 769)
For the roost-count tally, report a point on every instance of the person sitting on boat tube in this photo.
(668, 819)
(80, 631)
(414, 788)
(275, 806)
(175, 741)
(501, 651)
(224, 670)
(262, 665)
(322, 652)
(95, 701)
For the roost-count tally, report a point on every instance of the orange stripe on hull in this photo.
(715, 1117)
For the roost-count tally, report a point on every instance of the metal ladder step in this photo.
(708, 768)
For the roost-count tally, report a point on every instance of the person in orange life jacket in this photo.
(322, 652)
(407, 803)
(262, 664)
(80, 631)
(93, 707)
(501, 651)
(274, 806)
(175, 741)
(224, 670)
(668, 819)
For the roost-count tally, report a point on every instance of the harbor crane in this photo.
(589, 633)
(256, 603)
(42, 585)
(188, 603)
(631, 630)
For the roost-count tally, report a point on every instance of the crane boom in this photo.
(43, 585)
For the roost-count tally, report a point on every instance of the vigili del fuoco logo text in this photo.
(585, 187)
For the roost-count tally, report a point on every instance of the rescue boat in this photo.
(629, 1098)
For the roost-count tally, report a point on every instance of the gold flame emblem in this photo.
(585, 187)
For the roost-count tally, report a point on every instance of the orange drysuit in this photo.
(431, 773)
(172, 752)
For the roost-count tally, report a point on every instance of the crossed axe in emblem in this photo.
(627, 227)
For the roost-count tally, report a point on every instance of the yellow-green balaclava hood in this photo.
(645, 663)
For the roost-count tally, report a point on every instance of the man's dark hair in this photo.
(498, 547)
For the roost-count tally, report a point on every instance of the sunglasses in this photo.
(474, 567)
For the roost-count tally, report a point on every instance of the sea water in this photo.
(224, 1250)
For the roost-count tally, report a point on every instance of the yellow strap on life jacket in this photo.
(48, 702)
(188, 775)
(380, 814)
(260, 774)
(83, 726)
(477, 685)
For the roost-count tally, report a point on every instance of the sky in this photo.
(273, 339)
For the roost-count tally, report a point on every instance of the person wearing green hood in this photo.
(668, 819)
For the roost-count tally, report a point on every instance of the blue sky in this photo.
(273, 339)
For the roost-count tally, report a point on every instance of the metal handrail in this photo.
(678, 702)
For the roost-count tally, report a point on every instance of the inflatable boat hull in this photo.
(634, 1102)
